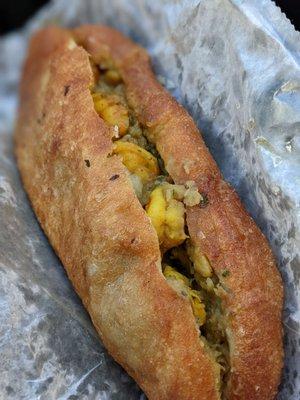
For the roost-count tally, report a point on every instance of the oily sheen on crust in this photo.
(112, 263)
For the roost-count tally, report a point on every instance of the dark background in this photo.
(13, 13)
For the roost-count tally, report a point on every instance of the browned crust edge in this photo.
(159, 347)
(223, 229)
(113, 263)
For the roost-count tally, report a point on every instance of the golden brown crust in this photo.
(113, 263)
(222, 229)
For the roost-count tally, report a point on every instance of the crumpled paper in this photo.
(234, 64)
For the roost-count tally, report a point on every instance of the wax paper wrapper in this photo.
(235, 66)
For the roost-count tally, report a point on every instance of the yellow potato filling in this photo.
(167, 217)
(111, 109)
(186, 268)
(137, 160)
(181, 283)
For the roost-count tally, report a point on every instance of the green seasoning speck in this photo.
(204, 202)
(225, 273)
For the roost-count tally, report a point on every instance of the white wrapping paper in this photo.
(235, 65)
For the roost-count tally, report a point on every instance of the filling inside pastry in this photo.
(186, 268)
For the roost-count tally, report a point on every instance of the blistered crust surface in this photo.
(225, 232)
(97, 226)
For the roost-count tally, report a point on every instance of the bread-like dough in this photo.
(106, 242)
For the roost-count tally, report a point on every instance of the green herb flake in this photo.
(204, 201)
(225, 273)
